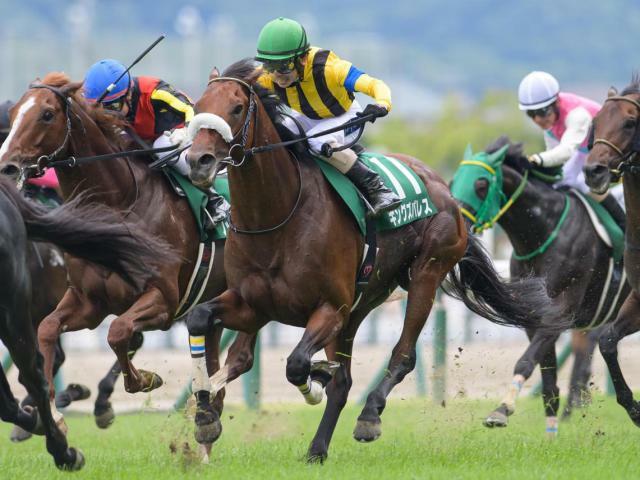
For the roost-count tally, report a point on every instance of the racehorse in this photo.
(553, 238)
(92, 233)
(53, 122)
(293, 251)
(615, 138)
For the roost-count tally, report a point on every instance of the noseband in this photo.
(629, 157)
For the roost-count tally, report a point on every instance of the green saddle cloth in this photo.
(416, 202)
(616, 235)
(198, 200)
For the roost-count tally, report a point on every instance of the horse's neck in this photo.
(631, 184)
(108, 181)
(533, 216)
(264, 189)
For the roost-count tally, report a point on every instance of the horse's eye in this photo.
(629, 124)
(47, 115)
(237, 110)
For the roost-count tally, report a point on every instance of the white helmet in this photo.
(537, 90)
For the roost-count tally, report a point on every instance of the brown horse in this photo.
(91, 232)
(293, 251)
(616, 144)
(52, 121)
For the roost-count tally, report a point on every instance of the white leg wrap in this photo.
(199, 377)
(312, 391)
(552, 426)
(512, 394)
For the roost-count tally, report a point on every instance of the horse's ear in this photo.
(215, 73)
(70, 89)
(612, 92)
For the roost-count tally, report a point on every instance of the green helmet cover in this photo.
(281, 39)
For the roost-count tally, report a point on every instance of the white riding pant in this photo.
(572, 174)
(311, 126)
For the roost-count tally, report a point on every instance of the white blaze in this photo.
(24, 108)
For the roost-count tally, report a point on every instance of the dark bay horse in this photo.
(575, 265)
(52, 121)
(293, 251)
(616, 143)
(93, 233)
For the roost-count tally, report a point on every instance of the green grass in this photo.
(419, 440)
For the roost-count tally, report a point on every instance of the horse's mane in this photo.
(634, 86)
(515, 157)
(111, 125)
(249, 70)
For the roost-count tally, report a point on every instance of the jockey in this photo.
(319, 87)
(45, 188)
(566, 119)
(151, 107)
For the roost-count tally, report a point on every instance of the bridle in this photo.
(242, 134)
(38, 168)
(627, 159)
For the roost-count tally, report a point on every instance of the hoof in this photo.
(151, 380)
(317, 458)
(208, 433)
(105, 417)
(72, 393)
(76, 464)
(205, 452)
(19, 434)
(367, 431)
(496, 419)
(634, 413)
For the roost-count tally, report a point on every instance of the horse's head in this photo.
(615, 137)
(40, 126)
(223, 120)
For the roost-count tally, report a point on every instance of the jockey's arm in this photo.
(578, 122)
(355, 80)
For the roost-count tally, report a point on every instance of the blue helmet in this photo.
(101, 75)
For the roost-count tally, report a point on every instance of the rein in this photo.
(627, 159)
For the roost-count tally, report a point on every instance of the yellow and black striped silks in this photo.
(327, 86)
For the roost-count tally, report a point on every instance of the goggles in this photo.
(283, 67)
(540, 112)
(115, 105)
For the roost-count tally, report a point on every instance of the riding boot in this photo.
(217, 209)
(381, 198)
(615, 210)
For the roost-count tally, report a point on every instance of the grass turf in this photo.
(419, 440)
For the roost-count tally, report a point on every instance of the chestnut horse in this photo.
(91, 232)
(293, 251)
(52, 121)
(616, 144)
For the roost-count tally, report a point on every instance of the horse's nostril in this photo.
(207, 159)
(10, 170)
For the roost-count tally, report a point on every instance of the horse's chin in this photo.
(201, 180)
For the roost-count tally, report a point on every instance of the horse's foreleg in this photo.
(73, 313)
(628, 322)
(323, 326)
(102, 410)
(422, 290)
(337, 390)
(583, 344)
(149, 312)
(539, 345)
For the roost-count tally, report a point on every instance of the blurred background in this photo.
(453, 68)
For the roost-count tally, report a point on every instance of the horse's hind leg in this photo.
(628, 322)
(540, 343)
(583, 345)
(103, 413)
(10, 411)
(422, 290)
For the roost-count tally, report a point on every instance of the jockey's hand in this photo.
(535, 159)
(178, 136)
(374, 109)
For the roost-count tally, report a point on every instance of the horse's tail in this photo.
(95, 233)
(520, 302)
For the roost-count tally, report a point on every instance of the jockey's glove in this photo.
(374, 109)
(536, 159)
(178, 136)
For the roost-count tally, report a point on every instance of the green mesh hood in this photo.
(474, 167)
